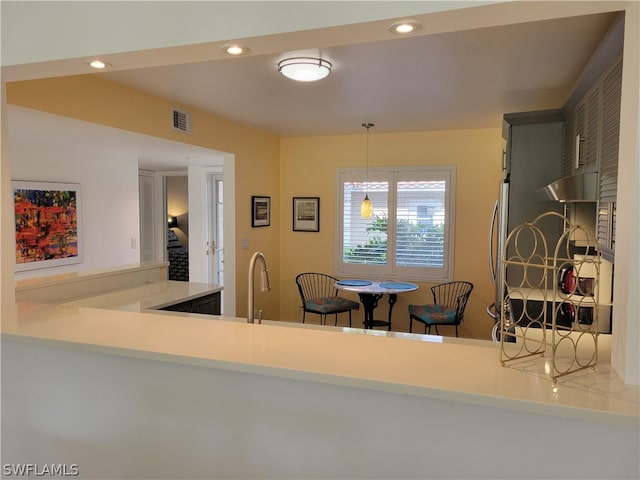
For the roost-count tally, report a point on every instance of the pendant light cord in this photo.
(366, 185)
(366, 208)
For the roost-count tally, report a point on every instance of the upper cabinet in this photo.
(583, 129)
(591, 145)
(611, 95)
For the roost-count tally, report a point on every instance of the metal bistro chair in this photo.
(319, 295)
(449, 301)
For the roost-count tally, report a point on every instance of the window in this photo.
(410, 234)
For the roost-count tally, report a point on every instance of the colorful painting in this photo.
(47, 219)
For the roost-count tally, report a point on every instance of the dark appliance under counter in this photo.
(208, 305)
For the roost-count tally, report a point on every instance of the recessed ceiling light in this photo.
(406, 27)
(99, 64)
(235, 50)
(304, 69)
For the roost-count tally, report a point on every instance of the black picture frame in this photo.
(260, 211)
(306, 214)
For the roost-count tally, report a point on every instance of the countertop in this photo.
(439, 367)
(151, 296)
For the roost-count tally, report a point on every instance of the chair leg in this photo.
(410, 324)
(349, 318)
(336, 323)
(304, 314)
(456, 330)
(437, 332)
(425, 328)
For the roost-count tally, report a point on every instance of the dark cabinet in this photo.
(208, 305)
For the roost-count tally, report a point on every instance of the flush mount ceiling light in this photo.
(99, 64)
(235, 50)
(406, 27)
(304, 69)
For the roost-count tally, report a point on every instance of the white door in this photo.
(215, 237)
(205, 223)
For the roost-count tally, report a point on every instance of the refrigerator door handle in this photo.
(492, 266)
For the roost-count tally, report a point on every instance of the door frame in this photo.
(198, 232)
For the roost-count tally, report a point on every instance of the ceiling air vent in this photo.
(181, 121)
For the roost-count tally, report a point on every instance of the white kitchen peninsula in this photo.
(158, 295)
(133, 394)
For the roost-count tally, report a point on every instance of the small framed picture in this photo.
(306, 214)
(260, 211)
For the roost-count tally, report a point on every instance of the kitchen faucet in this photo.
(265, 285)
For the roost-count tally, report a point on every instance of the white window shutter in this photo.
(147, 224)
(410, 232)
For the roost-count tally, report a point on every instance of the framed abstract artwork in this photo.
(306, 214)
(48, 224)
(260, 211)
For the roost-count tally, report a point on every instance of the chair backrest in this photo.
(316, 285)
(453, 295)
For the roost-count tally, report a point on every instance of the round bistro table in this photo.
(371, 291)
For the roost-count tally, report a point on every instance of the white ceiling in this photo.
(458, 80)
(431, 81)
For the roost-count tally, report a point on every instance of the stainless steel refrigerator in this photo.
(531, 159)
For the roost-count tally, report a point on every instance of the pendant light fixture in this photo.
(366, 208)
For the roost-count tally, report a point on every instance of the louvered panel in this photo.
(610, 134)
(181, 121)
(420, 232)
(592, 130)
(612, 240)
(608, 187)
(607, 229)
(603, 226)
(580, 130)
(569, 146)
(147, 250)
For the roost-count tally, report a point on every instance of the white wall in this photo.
(121, 417)
(625, 354)
(110, 206)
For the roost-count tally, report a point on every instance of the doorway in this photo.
(195, 224)
(211, 223)
(177, 208)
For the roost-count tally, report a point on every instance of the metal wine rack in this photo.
(535, 312)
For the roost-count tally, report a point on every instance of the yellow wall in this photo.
(288, 167)
(308, 168)
(99, 101)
